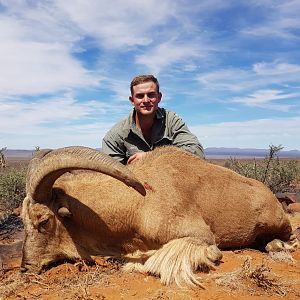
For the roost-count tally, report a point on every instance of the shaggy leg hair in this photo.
(176, 261)
(277, 245)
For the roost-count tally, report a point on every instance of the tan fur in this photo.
(191, 208)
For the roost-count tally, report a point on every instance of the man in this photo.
(148, 126)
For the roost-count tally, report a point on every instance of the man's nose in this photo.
(146, 98)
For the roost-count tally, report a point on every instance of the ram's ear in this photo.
(64, 212)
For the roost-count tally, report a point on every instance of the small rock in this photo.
(288, 198)
(293, 207)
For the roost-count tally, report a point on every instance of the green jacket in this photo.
(125, 139)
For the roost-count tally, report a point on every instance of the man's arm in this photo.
(183, 138)
(113, 146)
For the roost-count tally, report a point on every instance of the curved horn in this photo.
(33, 165)
(57, 162)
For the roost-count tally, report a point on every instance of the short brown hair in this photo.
(142, 79)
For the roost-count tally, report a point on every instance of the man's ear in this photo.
(159, 96)
(130, 99)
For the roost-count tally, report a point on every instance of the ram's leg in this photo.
(188, 245)
(177, 260)
(278, 245)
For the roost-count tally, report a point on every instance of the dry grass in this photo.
(69, 280)
(12, 193)
(280, 175)
(282, 256)
(12, 187)
(256, 279)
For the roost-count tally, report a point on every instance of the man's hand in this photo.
(135, 157)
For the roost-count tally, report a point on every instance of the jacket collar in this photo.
(130, 123)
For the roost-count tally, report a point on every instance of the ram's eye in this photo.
(43, 225)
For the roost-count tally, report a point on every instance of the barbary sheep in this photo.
(167, 214)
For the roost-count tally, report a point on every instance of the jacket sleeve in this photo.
(113, 145)
(182, 137)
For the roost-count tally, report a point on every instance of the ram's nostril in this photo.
(23, 269)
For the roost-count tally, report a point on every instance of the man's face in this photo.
(145, 98)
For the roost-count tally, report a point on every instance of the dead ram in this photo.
(169, 213)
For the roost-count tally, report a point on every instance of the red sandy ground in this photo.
(273, 279)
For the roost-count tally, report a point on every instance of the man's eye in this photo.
(139, 96)
(151, 95)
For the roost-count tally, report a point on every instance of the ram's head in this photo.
(52, 231)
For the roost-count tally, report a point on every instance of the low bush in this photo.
(278, 174)
(12, 187)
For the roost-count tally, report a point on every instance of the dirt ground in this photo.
(243, 274)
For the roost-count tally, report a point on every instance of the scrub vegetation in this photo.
(278, 174)
(12, 193)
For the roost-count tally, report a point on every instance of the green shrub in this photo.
(278, 174)
(12, 187)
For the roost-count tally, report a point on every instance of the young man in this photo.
(148, 126)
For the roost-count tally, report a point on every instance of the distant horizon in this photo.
(210, 152)
(221, 147)
(248, 148)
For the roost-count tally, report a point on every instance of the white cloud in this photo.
(165, 54)
(250, 134)
(120, 88)
(118, 23)
(265, 99)
(226, 79)
(56, 122)
(265, 85)
(276, 68)
(39, 39)
(89, 135)
(31, 67)
(281, 20)
(261, 75)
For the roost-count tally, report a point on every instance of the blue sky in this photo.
(230, 69)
